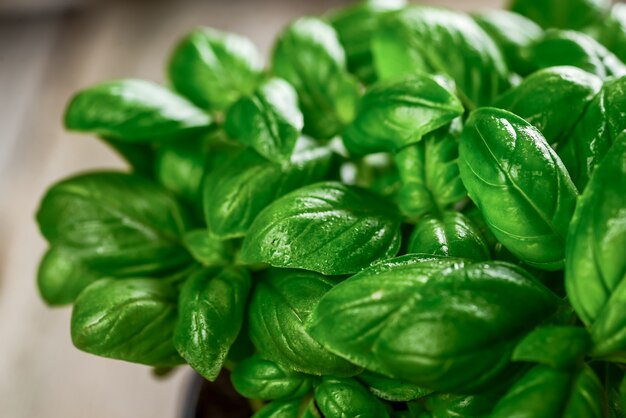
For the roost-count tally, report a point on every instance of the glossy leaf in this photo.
(211, 311)
(545, 392)
(326, 227)
(280, 306)
(567, 14)
(130, 320)
(554, 346)
(441, 323)
(396, 113)
(437, 41)
(242, 185)
(520, 185)
(256, 378)
(207, 249)
(309, 56)
(430, 174)
(451, 235)
(552, 100)
(134, 111)
(339, 398)
(213, 69)
(595, 275)
(121, 224)
(280, 409)
(393, 390)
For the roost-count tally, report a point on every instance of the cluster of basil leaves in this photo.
(411, 212)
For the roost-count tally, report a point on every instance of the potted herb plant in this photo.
(411, 212)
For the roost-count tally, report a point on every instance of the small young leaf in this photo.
(130, 320)
(326, 227)
(206, 249)
(393, 390)
(558, 347)
(211, 310)
(339, 398)
(134, 111)
(396, 113)
(290, 408)
(213, 69)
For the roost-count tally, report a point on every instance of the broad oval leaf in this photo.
(62, 275)
(213, 69)
(566, 14)
(280, 305)
(555, 346)
(396, 113)
(309, 56)
(545, 392)
(440, 323)
(552, 100)
(326, 227)
(242, 185)
(520, 185)
(595, 276)
(393, 390)
(211, 310)
(130, 320)
(269, 120)
(339, 398)
(134, 111)
(451, 234)
(256, 378)
(121, 224)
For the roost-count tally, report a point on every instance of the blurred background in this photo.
(48, 50)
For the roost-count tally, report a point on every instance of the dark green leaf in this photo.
(207, 249)
(612, 31)
(280, 305)
(309, 56)
(393, 390)
(451, 235)
(437, 322)
(396, 113)
(139, 156)
(520, 185)
(340, 398)
(134, 111)
(595, 273)
(552, 100)
(213, 69)
(130, 320)
(269, 120)
(242, 185)
(119, 224)
(557, 347)
(429, 40)
(326, 227)
(567, 14)
(211, 310)
(256, 378)
(545, 392)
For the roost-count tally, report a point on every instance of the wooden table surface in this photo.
(43, 60)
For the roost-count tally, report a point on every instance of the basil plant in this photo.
(408, 212)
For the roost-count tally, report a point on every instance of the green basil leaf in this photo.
(207, 249)
(211, 311)
(130, 320)
(595, 276)
(612, 31)
(512, 33)
(269, 120)
(242, 185)
(399, 112)
(326, 227)
(121, 224)
(552, 100)
(596, 131)
(291, 408)
(519, 184)
(451, 235)
(256, 378)
(441, 323)
(309, 56)
(213, 69)
(430, 174)
(560, 47)
(437, 41)
(355, 26)
(558, 347)
(140, 157)
(62, 275)
(567, 14)
(339, 398)
(393, 390)
(545, 392)
(134, 111)
(280, 305)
